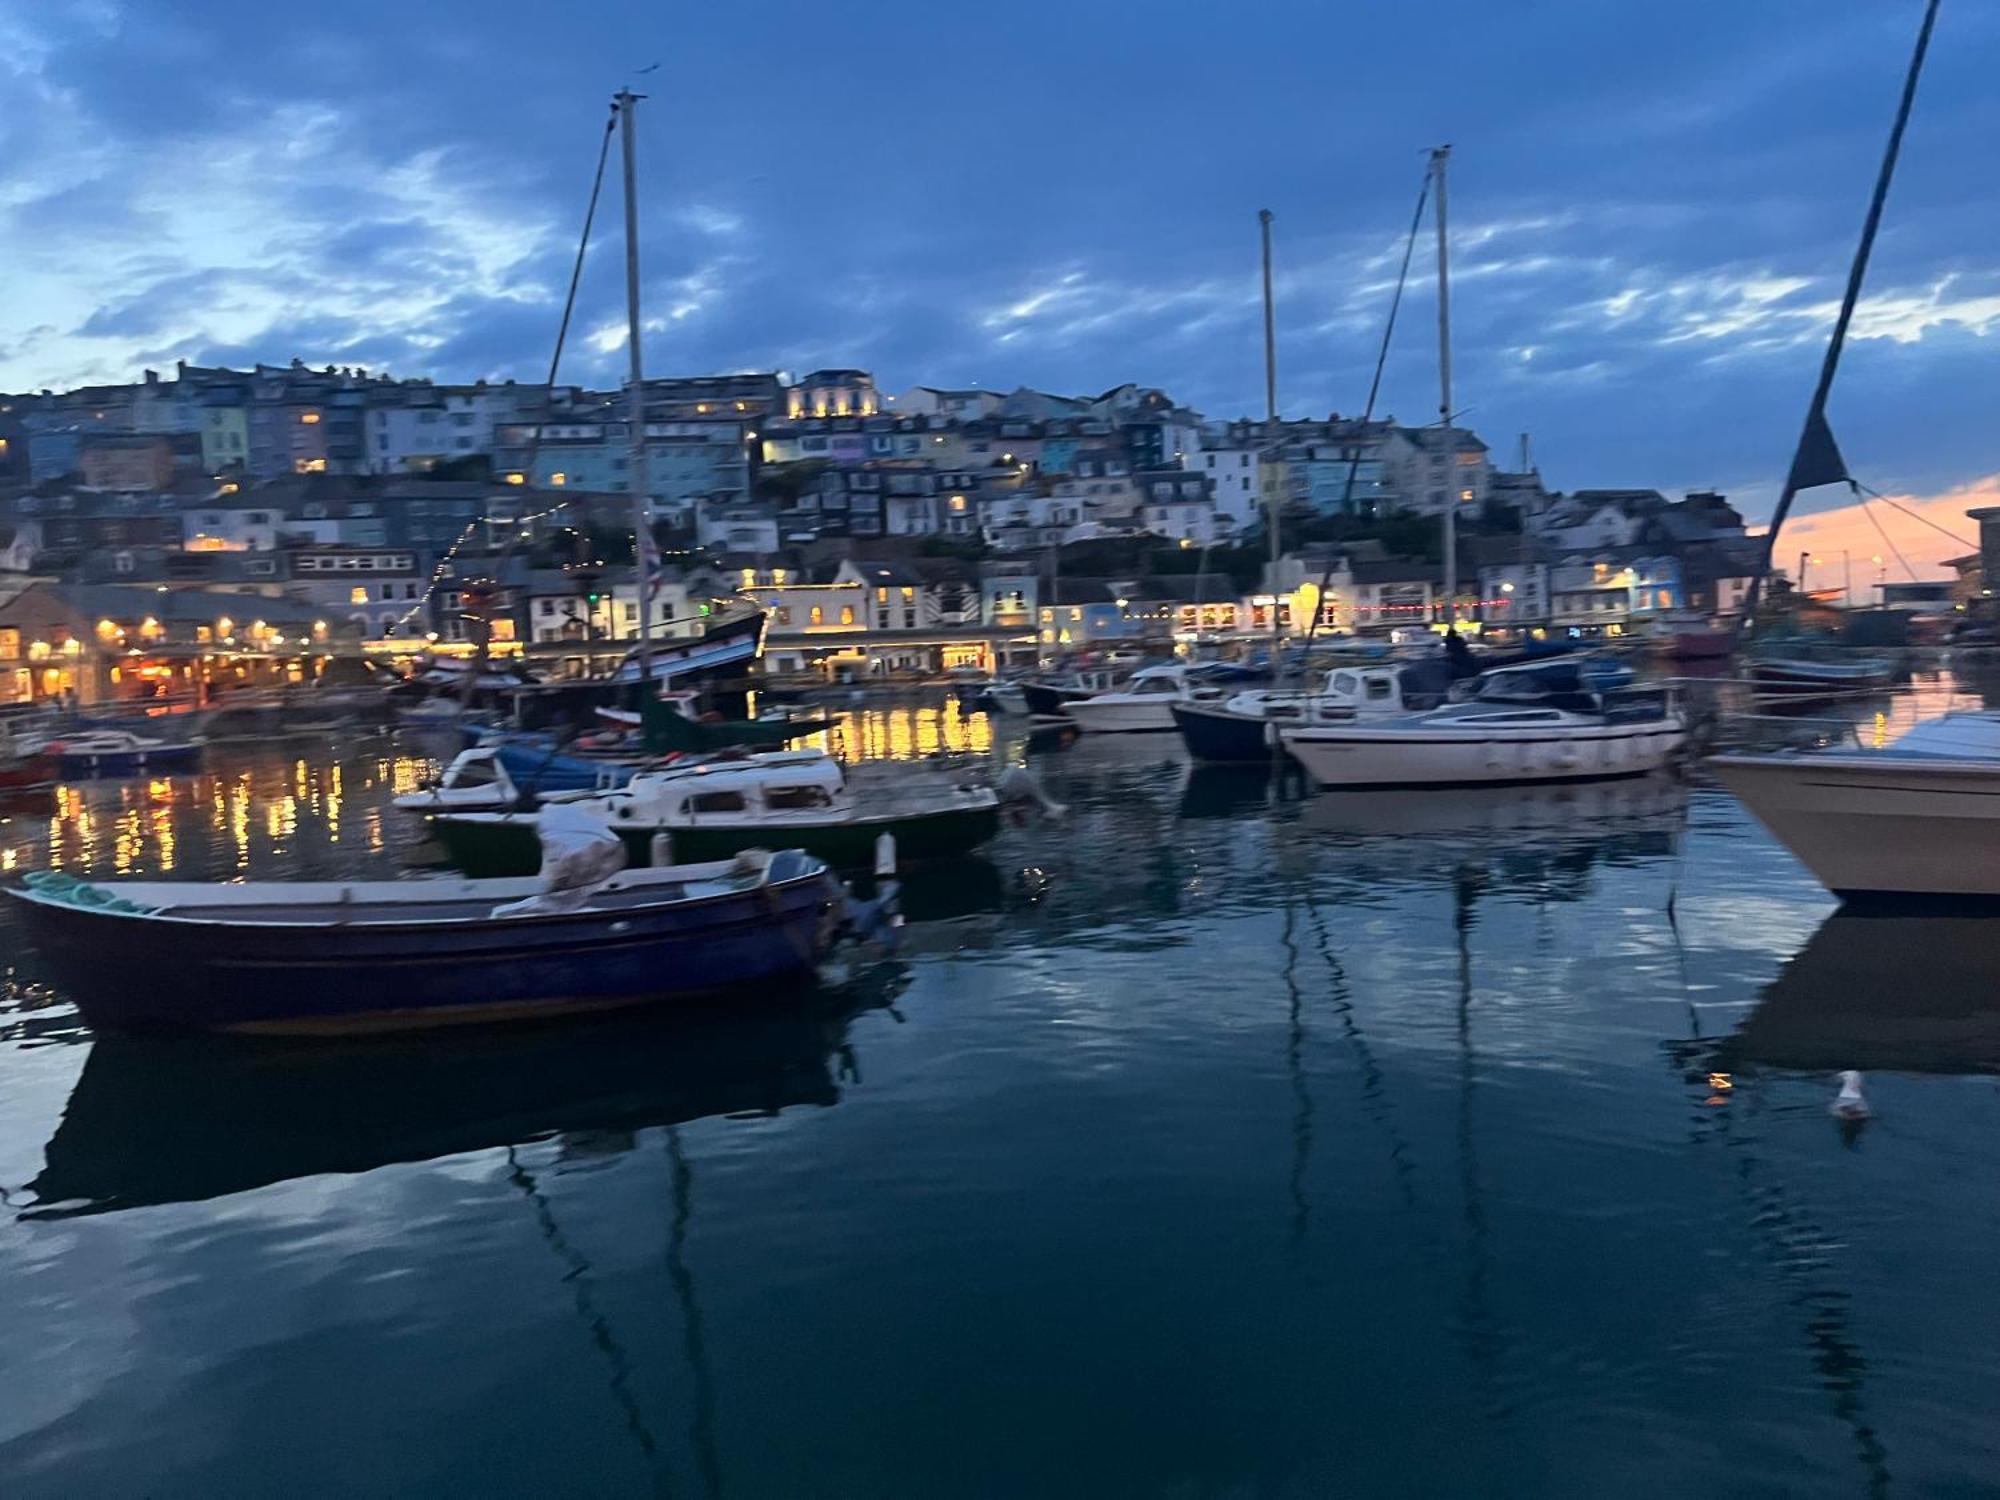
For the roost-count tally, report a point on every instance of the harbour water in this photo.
(1220, 1140)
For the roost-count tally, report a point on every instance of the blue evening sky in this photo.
(1652, 205)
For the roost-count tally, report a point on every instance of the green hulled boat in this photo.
(790, 799)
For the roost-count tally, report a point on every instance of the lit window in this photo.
(310, 418)
(517, 478)
(818, 616)
(358, 594)
(559, 478)
(847, 614)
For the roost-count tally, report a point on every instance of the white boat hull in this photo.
(1152, 714)
(1878, 825)
(1384, 755)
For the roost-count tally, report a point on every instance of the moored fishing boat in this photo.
(1539, 723)
(1687, 636)
(1801, 679)
(118, 752)
(794, 798)
(1239, 727)
(323, 956)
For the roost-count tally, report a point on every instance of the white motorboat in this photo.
(784, 798)
(1238, 727)
(1143, 704)
(475, 781)
(1050, 698)
(1917, 818)
(1534, 723)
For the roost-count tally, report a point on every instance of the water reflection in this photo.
(1410, 1043)
(246, 814)
(177, 1119)
(1907, 993)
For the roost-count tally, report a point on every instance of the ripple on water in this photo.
(1222, 1140)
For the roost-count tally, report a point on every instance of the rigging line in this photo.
(549, 387)
(1368, 411)
(1815, 432)
(1956, 539)
(1861, 493)
(569, 307)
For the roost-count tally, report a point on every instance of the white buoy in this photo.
(1850, 1105)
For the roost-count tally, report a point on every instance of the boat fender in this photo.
(660, 851)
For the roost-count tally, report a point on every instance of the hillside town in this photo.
(212, 524)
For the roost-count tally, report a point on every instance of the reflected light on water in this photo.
(904, 732)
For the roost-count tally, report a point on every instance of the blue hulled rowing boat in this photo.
(308, 957)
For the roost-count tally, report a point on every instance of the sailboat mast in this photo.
(1445, 448)
(1270, 436)
(1817, 459)
(642, 515)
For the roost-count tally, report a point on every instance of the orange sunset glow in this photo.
(1847, 528)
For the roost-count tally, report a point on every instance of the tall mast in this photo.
(1449, 457)
(642, 513)
(1271, 432)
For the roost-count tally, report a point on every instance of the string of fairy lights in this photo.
(443, 569)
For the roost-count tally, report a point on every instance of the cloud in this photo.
(1647, 250)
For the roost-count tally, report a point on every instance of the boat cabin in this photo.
(784, 782)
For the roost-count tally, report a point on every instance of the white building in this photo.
(406, 437)
(1514, 594)
(737, 528)
(558, 612)
(1238, 477)
(1190, 522)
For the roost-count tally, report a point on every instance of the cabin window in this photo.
(479, 773)
(716, 802)
(1378, 689)
(796, 798)
(1344, 683)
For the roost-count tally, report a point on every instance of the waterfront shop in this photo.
(80, 644)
